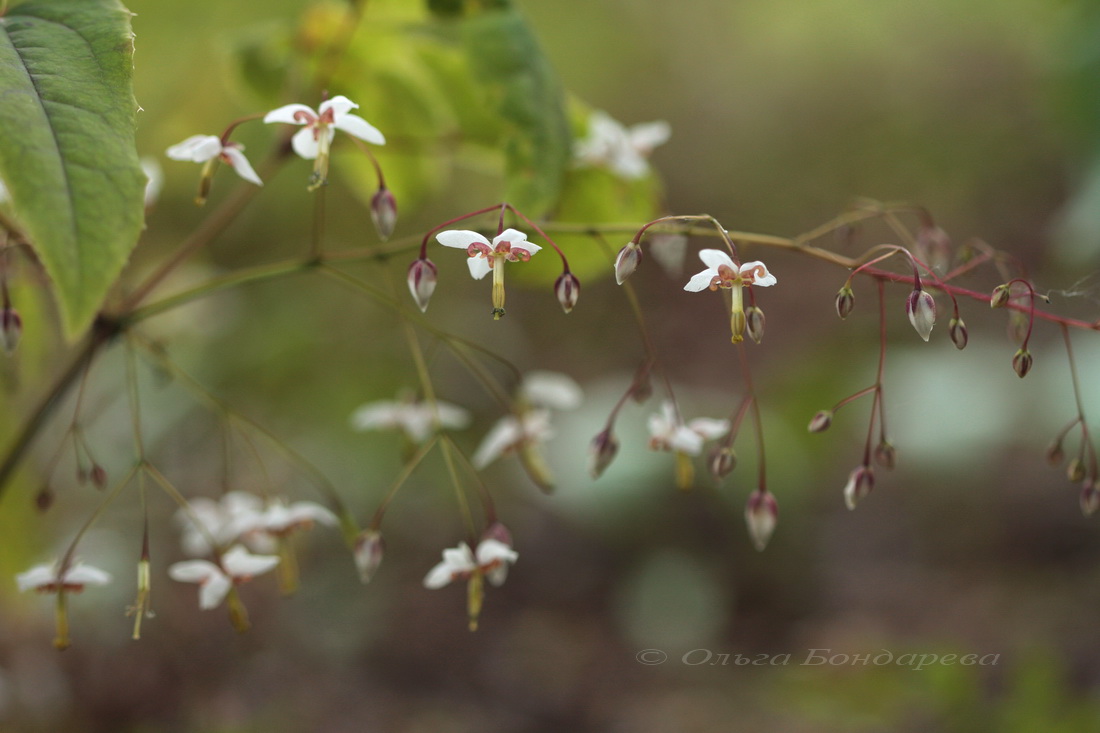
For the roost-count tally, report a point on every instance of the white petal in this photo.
(490, 551)
(709, 427)
(360, 128)
(340, 106)
(287, 114)
(452, 416)
(765, 280)
(375, 415)
(86, 575)
(438, 576)
(529, 247)
(193, 571)
(37, 577)
(552, 389)
(648, 135)
(715, 258)
(239, 563)
(514, 236)
(504, 435)
(241, 165)
(701, 281)
(197, 149)
(214, 591)
(309, 511)
(460, 238)
(304, 144)
(479, 267)
(686, 440)
(628, 163)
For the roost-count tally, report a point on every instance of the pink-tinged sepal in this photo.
(821, 421)
(627, 261)
(754, 323)
(567, 289)
(860, 483)
(921, 309)
(383, 212)
(368, 551)
(601, 452)
(761, 516)
(959, 335)
(422, 279)
(1090, 500)
(1022, 362)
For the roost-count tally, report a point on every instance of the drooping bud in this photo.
(1021, 362)
(761, 516)
(845, 301)
(568, 289)
(627, 261)
(885, 455)
(642, 389)
(497, 531)
(721, 461)
(999, 297)
(821, 421)
(1075, 471)
(98, 475)
(1055, 455)
(11, 328)
(860, 483)
(367, 553)
(601, 452)
(43, 500)
(383, 211)
(1090, 500)
(959, 335)
(422, 280)
(921, 309)
(754, 323)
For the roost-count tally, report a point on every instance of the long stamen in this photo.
(737, 314)
(498, 287)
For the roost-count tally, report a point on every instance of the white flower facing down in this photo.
(44, 578)
(238, 565)
(279, 519)
(668, 432)
(513, 433)
(415, 419)
(491, 559)
(621, 149)
(207, 148)
(723, 272)
(510, 245)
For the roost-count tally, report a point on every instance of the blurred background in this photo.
(782, 114)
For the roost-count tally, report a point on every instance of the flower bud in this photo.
(1021, 362)
(999, 297)
(921, 309)
(627, 261)
(368, 553)
(959, 335)
(885, 455)
(754, 323)
(601, 452)
(845, 301)
(1075, 471)
(11, 328)
(761, 515)
(1055, 454)
(721, 461)
(567, 288)
(43, 500)
(860, 483)
(1090, 500)
(422, 279)
(383, 211)
(98, 475)
(821, 421)
(497, 531)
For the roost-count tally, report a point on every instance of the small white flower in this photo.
(459, 563)
(510, 245)
(512, 432)
(551, 389)
(279, 519)
(237, 566)
(205, 148)
(621, 149)
(723, 272)
(219, 521)
(416, 419)
(44, 578)
(313, 140)
(668, 432)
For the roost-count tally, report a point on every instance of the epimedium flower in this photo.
(208, 524)
(209, 150)
(417, 420)
(236, 565)
(510, 245)
(61, 580)
(623, 150)
(512, 433)
(312, 142)
(723, 272)
(668, 432)
(490, 560)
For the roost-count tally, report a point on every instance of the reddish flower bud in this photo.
(959, 335)
(921, 309)
(845, 301)
(11, 328)
(999, 297)
(367, 554)
(860, 483)
(1055, 454)
(497, 531)
(567, 288)
(1075, 471)
(383, 211)
(761, 516)
(601, 452)
(885, 455)
(754, 323)
(98, 475)
(422, 279)
(627, 261)
(1021, 362)
(821, 421)
(721, 461)
(1090, 500)
(43, 500)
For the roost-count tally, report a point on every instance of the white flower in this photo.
(206, 148)
(668, 432)
(219, 521)
(551, 389)
(723, 272)
(416, 419)
(320, 126)
(511, 433)
(511, 245)
(279, 519)
(623, 150)
(237, 566)
(492, 559)
(44, 578)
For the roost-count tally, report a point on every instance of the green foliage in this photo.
(67, 153)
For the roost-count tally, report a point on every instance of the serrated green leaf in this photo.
(67, 151)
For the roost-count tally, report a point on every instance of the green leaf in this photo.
(67, 151)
